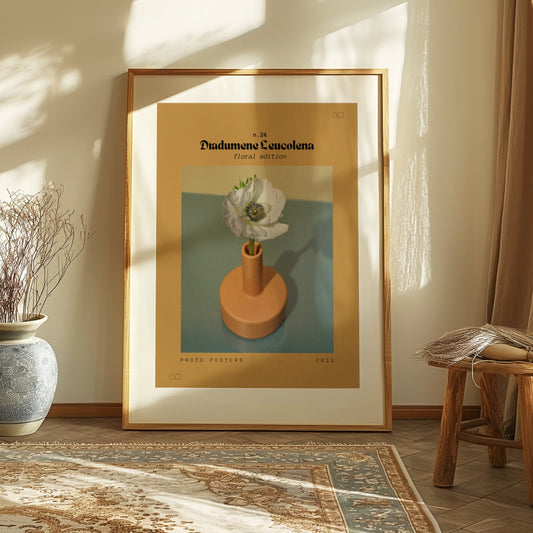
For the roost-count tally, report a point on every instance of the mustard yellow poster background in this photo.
(190, 135)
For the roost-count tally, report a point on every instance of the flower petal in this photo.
(264, 233)
(275, 230)
(255, 231)
(232, 217)
(274, 199)
(253, 189)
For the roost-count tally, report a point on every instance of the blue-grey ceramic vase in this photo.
(28, 377)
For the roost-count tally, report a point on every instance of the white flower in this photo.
(253, 211)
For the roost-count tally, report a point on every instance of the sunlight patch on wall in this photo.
(411, 251)
(27, 82)
(160, 32)
(410, 230)
(97, 148)
(374, 41)
(69, 81)
(27, 177)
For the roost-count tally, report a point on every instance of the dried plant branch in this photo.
(38, 243)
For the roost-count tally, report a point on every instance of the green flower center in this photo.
(255, 212)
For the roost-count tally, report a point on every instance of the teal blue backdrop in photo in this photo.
(303, 256)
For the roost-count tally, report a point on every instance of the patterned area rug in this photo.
(207, 488)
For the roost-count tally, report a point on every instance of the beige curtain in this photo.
(510, 296)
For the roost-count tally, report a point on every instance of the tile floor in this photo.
(485, 499)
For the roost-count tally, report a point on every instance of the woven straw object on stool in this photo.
(472, 341)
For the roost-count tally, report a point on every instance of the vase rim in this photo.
(33, 319)
(21, 332)
(257, 249)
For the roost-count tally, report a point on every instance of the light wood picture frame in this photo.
(321, 136)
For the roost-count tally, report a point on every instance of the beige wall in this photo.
(62, 117)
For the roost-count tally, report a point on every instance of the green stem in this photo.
(251, 246)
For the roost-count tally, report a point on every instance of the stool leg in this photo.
(492, 410)
(525, 395)
(446, 458)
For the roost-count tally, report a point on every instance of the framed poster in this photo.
(321, 138)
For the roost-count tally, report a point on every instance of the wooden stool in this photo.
(452, 429)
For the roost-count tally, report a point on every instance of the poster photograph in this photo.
(193, 138)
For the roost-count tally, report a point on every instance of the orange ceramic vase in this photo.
(253, 297)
